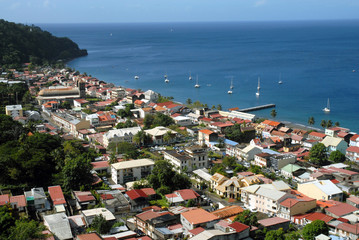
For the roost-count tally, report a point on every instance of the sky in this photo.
(117, 11)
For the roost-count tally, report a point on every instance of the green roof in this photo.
(291, 168)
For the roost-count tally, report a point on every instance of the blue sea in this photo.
(314, 59)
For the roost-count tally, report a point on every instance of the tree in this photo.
(329, 123)
(275, 235)
(164, 177)
(247, 217)
(7, 220)
(318, 154)
(77, 173)
(129, 150)
(189, 101)
(311, 121)
(100, 224)
(148, 121)
(337, 157)
(315, 228)
(9, 129)
(229, 161)
(213, 107)
(24, 230)
(273, 113)
(219, 107)
(234, 133)
(168, 136)
(323, 123)
(337, 124)
(65, 104)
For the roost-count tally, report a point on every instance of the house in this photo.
(352, 153)
(84, 199)
(142, 220)
(133, 170)
(217, 179)
(59, 225)
(340, 210)
(101, 166)
(249, 152)
(279, 161)
(138, 199)
(205, 136)
(353, 200)
(69, 122)
(305, 219)
(264, 198)
(18, 202)
(223, 230)
(298, 204)
(275, 223)
(188, 160)
(182, 196)
(262, 160)
(14, 111)
(334, 144)
(158, 227)
(157, 135)
(198, 218)
(90, 236)
(228, 211)
(229, 188)
(321, 190)
(316, 136)
(58, 199)
(120, 135)
(89, 215)
(80, 102)
(183, 121)
(114, 201)
(151, 95)
(288, 170)
(354, 140)
(36, 198)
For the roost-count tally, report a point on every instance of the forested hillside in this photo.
(22, 43)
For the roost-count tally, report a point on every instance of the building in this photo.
(89, 215)
(265, 198)
(36, 198)
(69, 122)
(279, 161)
(205, 136)
(228, 211)
(321, 190)
(60, 93)
(14, 111)
(114, 201)
(59, 225)
(157, 135)
(84, 199)
(133, 170)
(183, 121)
(297, 204)
(57, 197)
(223, 230)
(138, 199)
(262, 160)
(352, 153)
(182, 197)
(189, 159)
(288, 170)
(120, 135)
(354, 140)
(275, 223)
(216, 180)
(198, 218)
(249, 152)
(333, 144)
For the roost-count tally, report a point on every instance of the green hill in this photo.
(22, 43)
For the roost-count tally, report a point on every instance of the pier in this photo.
(272, 105)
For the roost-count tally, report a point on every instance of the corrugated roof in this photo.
(198, 216)
(272, 221)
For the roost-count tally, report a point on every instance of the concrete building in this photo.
(198, 218)
(59, 225)
(321, 190)
(120, 135)
(132, 170)
(190, 159)
(334, 143)
(36, 198)
(90, 215)
(14, 111)
(279, 161)
(157, 135)
(183, 121)
(249, 152)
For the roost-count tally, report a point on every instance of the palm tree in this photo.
(337, 124)
(273, 113)
(168, 136)
(311, 121)
(189, 101)
(219, 107)
(323, 123)
(329, 123)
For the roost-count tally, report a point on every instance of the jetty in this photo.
(271, 105)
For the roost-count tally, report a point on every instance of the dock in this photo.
(272, 105)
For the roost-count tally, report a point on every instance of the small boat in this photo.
(280, 79)
(137, 77)
(259, 87)
(165, 76)
(327, 109)
(190, 77)
(231, 87)
(167, 80)
(197, 85)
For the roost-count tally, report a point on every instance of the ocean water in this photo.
(315, 60)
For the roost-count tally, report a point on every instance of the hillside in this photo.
(22, 43)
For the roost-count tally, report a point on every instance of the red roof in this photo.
(206, 119)
(355, 138)
(164, 104)
(347, 227)
(196, 231)
(206, 131)
(334, 181)
(84, 196)
(20, 200)
(198, 216)
(317, 134)
(353, 199)
(353, 149)
(271, 123)
(136, 193)
(187, 194)
(56, 195)
(272, 221)
(106, 196)
(4, 199)
(148, 215)
(148, 191)
(239, 227)
(89, 236)
(319, 216)
(81, 101)
(100, 164)
(341, 209)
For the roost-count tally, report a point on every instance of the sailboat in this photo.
(197, 85)
(230, 88)
(259, 87)
(190, 77)
(280, 79)
(137, 77)
(167, 80)
(327, 109)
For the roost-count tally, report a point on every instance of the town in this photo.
(164, 170)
